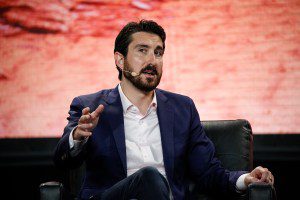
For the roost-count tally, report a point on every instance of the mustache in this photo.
(149, 68)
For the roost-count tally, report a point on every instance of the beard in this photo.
(144, 85)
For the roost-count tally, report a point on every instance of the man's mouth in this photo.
(150, 72)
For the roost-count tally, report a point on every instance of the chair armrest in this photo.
(261, 191)
(51, 191)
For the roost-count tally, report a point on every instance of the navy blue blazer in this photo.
(187, 152)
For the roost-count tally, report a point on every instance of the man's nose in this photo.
(152, 59)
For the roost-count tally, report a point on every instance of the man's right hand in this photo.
(87, 122)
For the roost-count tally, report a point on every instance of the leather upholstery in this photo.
(51, 190)
(233, 142)
(261, 191)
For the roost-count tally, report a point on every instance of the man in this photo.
(140, 142)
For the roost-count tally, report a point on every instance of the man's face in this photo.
(145, 56)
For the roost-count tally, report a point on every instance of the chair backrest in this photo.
(233, 143)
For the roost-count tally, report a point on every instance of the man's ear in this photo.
(119, 60)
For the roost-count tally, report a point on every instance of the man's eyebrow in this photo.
(142, 45)
(147, 46)
(159, 47)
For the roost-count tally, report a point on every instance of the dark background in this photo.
(26, 163)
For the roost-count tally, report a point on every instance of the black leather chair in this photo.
(233, 141)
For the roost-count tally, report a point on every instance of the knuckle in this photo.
(82, 117)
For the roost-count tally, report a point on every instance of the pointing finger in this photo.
(98, 111)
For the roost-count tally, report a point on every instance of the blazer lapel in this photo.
(165, 115)
(116, 121)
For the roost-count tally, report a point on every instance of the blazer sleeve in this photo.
(62, 156)
(207, 170)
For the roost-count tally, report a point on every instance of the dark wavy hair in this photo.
(124, 37)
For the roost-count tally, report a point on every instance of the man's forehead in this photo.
(146, 39)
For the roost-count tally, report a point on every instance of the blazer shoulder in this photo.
(92, 100)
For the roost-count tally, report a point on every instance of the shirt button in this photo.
(141, 122)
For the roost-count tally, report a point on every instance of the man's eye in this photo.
(143, 50)
(159, 53)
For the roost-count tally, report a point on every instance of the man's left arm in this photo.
(207, 169)
(204, 167)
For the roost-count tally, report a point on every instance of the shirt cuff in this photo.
(240, 183)
(76, 145)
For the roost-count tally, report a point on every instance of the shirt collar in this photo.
(126, 103)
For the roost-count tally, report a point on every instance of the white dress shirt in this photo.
(142, 136)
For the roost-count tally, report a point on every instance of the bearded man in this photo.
(140, 142)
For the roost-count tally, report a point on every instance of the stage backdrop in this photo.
(234, 58)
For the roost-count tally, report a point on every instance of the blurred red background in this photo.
(236, 59)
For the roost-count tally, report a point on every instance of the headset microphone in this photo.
(134, 74)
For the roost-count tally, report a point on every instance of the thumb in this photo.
(250, 179)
